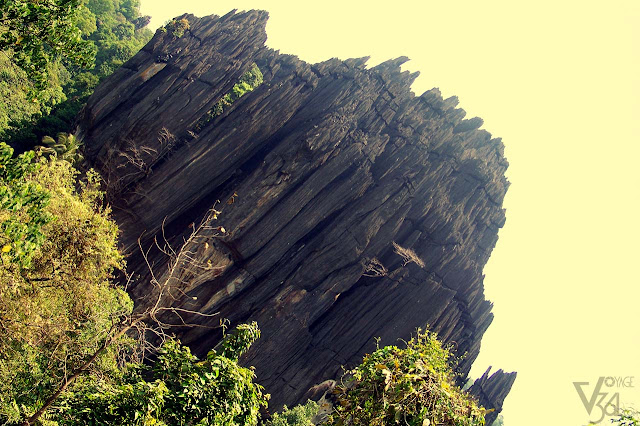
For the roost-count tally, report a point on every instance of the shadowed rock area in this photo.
(330, 163)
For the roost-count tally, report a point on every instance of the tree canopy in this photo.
(43, 96)
(179, 389)
(57, 303)
(35, 34)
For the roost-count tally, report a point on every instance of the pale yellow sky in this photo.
(559, 81)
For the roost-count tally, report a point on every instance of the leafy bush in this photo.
(176, 27)
(22, 208)
(410, 386)
(180, 390)
(300, 415)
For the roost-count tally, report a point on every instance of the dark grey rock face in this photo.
(331, 164)
(492, 390)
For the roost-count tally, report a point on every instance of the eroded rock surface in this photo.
(491, 391)
(331, 164)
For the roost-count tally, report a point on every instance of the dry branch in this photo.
(375, 268)
(407, 255)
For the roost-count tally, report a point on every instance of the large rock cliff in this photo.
(327, 165)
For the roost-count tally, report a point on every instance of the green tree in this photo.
(179, 389)
(17, 103)
(35, 34)
(115, 31)
(57, 303)
(411, 386)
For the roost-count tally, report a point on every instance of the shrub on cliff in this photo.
(176, 27)
(410, 386)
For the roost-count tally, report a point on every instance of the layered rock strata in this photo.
(318, 172)
(491, 391)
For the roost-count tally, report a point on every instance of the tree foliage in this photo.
(17, 103)
(179, 389)
(66, 147)
(57, 304)
(248, 82)
(300, 415)
(411, 386)
(22, 208)
(39, 33)
(113, 29)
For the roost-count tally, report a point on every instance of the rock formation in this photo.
(492, 390)
(330, 164)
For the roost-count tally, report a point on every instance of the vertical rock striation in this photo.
(331, 164)
(492, 390)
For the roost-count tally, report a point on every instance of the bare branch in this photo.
(375, 268)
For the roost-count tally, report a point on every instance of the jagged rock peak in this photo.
(357, 62)
(328, 165)
(492, 390)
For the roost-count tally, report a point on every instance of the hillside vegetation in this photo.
(53, 57)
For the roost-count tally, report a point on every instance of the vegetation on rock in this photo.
(176, 27)
(248, 82)
(410, 386)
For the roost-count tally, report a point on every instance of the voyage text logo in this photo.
(605, 397)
